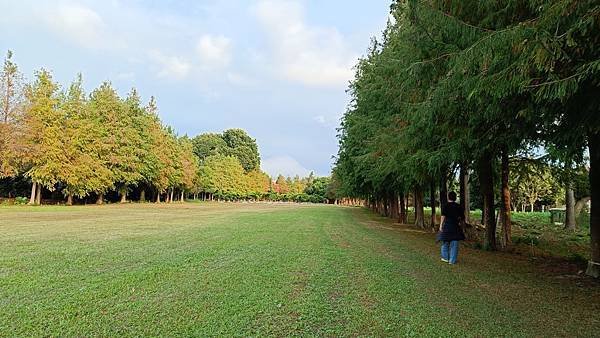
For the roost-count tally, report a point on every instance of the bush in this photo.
(21, 200)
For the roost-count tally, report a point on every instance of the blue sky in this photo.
(277, 68)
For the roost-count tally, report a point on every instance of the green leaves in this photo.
(233, 142)
(452, 81)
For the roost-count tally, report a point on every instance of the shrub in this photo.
(21, 200)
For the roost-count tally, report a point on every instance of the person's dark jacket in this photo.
(451, 230)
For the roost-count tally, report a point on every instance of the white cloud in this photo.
(172, 67)
(80, 25)
(239, 79)
(214, 51)
(310, 55)
(285, 165)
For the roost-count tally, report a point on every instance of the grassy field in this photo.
(255, 270)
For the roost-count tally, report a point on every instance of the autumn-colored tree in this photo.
(82, 171)
(11, 117)
(44, 134)
(281, 185)
(258, 183)
(161, 144)
(120, 139)
(224, 177)
(189, 167)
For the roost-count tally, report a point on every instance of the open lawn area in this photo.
(256, 270)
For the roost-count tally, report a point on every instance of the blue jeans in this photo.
(450, 251)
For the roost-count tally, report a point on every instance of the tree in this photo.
(281, 185)
(242, 146)
(143, 120)
(189, 166)
(224, 177)
(209, 144)
(258, 183)
(11, 117)
(318, 189)
(121, 142)
(45, 130)
(82, 172)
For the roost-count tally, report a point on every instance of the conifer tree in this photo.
(11, 117)
(44, 119)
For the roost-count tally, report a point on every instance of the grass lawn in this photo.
(255, 270)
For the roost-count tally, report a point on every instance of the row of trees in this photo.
(88, 145)
(468, 86)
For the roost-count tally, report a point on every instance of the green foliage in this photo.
(44, 120)
(243, 147)
(531, 182)
(318, 188)
(223, 176)
(206, 145)
(461, 83)
(233, 142)
(21, 200)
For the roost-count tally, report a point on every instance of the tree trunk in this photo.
(182, 200)
(124, 196)
(394, 207)
(384, 206)
(419, 214)
(505, 206)
(143, 195)
(444, 189)
(486, 180)
(483, 215)
(38, 195)
(171, 196)
(100, 199)
(532, 205)
(158, 197)
(402, 216)
(33, 193)
(594, 150)
(465, 202)
(432, 203)
(570, 222)
(70, 199)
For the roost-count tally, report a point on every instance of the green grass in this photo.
(256, 270)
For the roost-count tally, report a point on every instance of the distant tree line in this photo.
(230, 171)
(502, 95)
(64, 143)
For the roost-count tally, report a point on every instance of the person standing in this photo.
(450, 232)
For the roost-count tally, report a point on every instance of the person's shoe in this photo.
(444, 260)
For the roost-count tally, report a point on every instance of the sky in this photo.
(276, 68)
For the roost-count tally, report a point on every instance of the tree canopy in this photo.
(467, 85)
